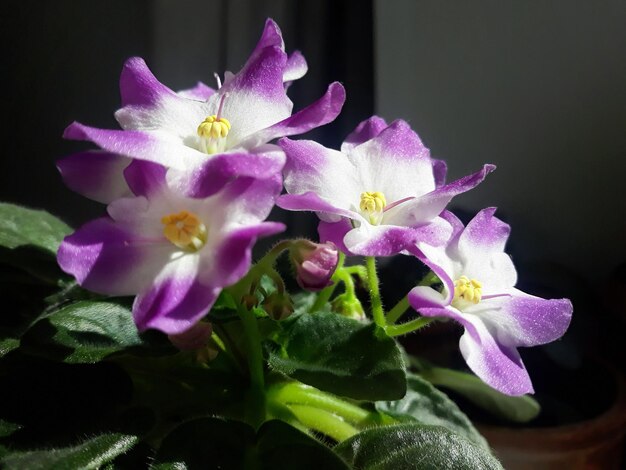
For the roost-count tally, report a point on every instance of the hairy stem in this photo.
(408, 327)
(398, 310)
(377, 304)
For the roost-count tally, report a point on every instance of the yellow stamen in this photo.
(373, 203)
(467, 289)
(214, 128)
(185, 230)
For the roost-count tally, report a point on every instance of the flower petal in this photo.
(379, 240)
(95, 174)
(526, 320)
(500, 366)
(312, 167)
(335, 232)
(246, 201)
(234, 255)
(310, 201)
(176, 300)
(139, 87)
(213, 174)
(262, 73)
(145, 178)
(365, 131)
(295, 68)
(155, 146)
(200, 92)
(483, 235)
(426, 297)
(422, 209)
(396, 163)
(109, 259)
(440, 170)
(323, 111)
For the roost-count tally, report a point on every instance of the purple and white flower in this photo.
(175, 253)
(479, 279)
(217, 134)
(379, 194)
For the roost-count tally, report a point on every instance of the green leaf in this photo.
(517, 409)
(7, 345)
(92, 453)
(218, 443)
(20, 226)
(83, 332)
(340, 355)
(427, 405)
(413, 446)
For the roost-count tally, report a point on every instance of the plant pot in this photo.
(595, 443)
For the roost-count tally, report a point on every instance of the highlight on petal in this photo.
(95, 174)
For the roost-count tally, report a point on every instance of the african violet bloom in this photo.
(381, 193)
(217, 134)
(175, 253)
(479, 279)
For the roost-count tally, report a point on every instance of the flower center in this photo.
(467, 290)
(372, 206)
(214, 127)
(185, 230)
(213, 130)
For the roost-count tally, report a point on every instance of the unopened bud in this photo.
(195, 337)
(315, 263)
(278, 306)
(348, 307)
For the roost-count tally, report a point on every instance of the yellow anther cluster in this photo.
(212, 127)
(185, 230)
(468, 289)
(373, 202)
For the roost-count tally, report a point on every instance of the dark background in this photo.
(539, 89)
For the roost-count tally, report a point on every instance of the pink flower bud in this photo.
(315, 263)
(195, 337)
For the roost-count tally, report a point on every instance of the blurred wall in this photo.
(539, 89)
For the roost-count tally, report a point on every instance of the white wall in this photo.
(539, 89)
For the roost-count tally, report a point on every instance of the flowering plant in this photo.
(223, 365)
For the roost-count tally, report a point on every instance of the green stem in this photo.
(255, 363)
(295, 393)
(408, 327)
(377, 304)
(348, 282)
(359, 270)
(324, 422)
(398, 310)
